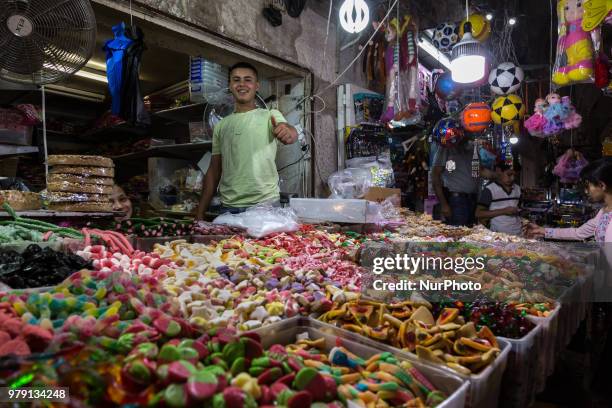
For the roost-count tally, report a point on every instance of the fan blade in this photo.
(48, 9)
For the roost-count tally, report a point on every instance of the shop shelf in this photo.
(183, 114)
(185, 151)
(117, 132)
(14, 150)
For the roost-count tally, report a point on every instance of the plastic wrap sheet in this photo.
(519, 381)
(285, 332)
(68, 187)
(260, 221)
(60, 197)
(484, 387)
(332, 210)
(73, 178)
(78, 160)
(85, 171)
(82, 207)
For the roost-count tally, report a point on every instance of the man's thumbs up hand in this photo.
(282, 131)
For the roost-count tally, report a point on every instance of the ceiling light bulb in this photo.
(513, 139)
(512, 21)
(489, 16)
(468, 63)
(354, 15)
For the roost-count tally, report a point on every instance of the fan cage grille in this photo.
(61, 42)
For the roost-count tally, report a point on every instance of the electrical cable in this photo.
(329, 14)
(297, 161)
(550, 83)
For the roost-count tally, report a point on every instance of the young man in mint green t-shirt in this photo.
(243, 162)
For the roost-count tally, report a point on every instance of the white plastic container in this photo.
(484, 387)
(548, 346)
(285, 332)
(518, 383)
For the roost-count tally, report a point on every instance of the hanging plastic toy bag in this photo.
(569, 166)
(575, 51)
(350, 183)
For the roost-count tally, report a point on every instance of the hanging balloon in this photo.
(446, 88)
(508, 109)
(506, 78)
(476, 117)
(448, 133)
(481, 28)
(445, 36)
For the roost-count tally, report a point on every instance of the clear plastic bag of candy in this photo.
(349, 183)
(261, 220)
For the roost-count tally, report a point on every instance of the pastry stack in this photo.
(80, 183)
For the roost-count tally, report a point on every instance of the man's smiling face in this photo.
(243, 85)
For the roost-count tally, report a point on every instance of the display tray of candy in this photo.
(38, 267)
(343, 354)
(409, 328)
(207, 239)
(183, 368)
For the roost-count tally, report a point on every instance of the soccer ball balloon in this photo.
(508, 110)
(445, 36)
(448, 132)
(446, 88)
(506, 78)
(476, 117)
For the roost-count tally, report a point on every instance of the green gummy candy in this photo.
(261, 362)
(162, 372)
(389, 386)
(435, 398)
(140, 371)
(175, 396)
(256, 371)
(238, 366)
(304, 376)
(284, 396)
(286, 368)
(232, 351)
(218, 401)
(215, 370)
(187, 353)
(169, 353)
(173, 329)
(186, 343)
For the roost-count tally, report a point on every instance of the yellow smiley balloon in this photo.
(481, 28)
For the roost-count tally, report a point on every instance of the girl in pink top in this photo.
(599, 177)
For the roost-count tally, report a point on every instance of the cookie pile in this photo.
(80, 183)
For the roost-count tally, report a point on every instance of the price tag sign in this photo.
(30, 394)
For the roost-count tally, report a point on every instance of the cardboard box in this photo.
(380, 194)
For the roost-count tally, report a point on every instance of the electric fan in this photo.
(45, 41)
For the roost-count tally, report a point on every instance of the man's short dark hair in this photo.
(503, 166)
(242, 64)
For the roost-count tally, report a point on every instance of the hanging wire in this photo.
(329, 14)
(550, 83)
(467, 10)
(44, 126)
(131, 16)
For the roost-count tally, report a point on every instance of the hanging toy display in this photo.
(445, 36)
(401, 61)
(569, 165)
(374, 60)
(552, 116)
(595, 13)
(507, 110)
(575, 51)
(481, 28)
(488, 156)
(476, 117)
(448, 133)
(535, 123)
(475, 162)
(506, 78)
(447, 89)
